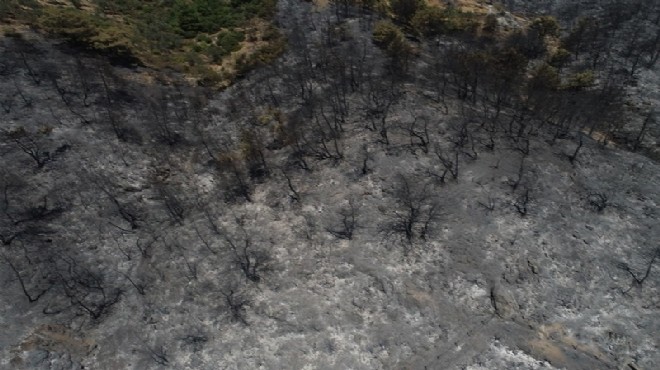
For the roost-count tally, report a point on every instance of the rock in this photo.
(504, 303)
(533, 267)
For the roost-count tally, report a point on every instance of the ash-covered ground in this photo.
(328, 211)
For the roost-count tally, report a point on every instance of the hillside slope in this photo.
(349, 206)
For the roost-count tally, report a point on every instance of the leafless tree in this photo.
(195, 340)
(31, 143)
(139, 286)
(145, 246)
(25, 49)
(649, 120)
(573, 157)
(415, 213)
(7, 99)
(85, 289)
(191, 271)
(112, 107)
(35, 291)
(295, 196)
(253, 150)
(160, 118)
(489, 204)
(520, 175)
(236, 303)
(127, 212)
(418, 130)
(27, 100)
(637, 279)
(158, 354)
(66, 93)
(379, 98)
(366, 157)
(251, 260)
(175, 206)
(522, 203)
(348, 222)
(449, 161)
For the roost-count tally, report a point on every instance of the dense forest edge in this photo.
(212, 41)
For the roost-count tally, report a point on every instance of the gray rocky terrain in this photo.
(319, 214)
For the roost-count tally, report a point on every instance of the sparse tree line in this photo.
(507, 92)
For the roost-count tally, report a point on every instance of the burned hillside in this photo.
(408, 186)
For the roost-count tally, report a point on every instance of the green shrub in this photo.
(544, 77)
(13, 34)
(202, 37)
(230, 40)
(207, 76)
(559, 58)
(244, 63)
(429, 22)
(433, 21)
(507, 63)
(193, 59)
(161, 34)
(580, 81)
(271, 33)
(6, 10)
(194, 16)
(491, 25)
(399, 49)
(459, 21)
(199, 47)
(546, 26)
(115, 40)
(18, 9)
(385, 32)
(273, 49)
(389, 37)
(216, 53)
(76, 25)
(528, 43)
(404, 10)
